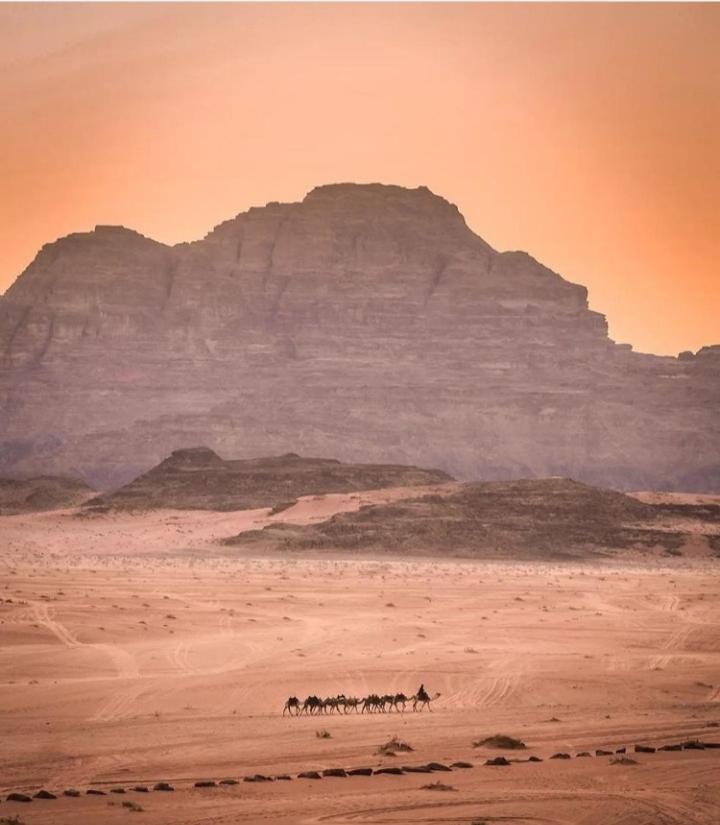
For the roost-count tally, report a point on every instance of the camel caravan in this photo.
(374, 703)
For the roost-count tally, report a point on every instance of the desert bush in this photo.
(393, 746)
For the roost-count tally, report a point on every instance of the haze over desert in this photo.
(359, 413)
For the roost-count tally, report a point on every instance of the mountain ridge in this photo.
(366, 322)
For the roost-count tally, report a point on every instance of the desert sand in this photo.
(135, 649)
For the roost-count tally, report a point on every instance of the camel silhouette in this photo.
(423, 700)
(374, 703)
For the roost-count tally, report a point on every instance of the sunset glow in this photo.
(586, 135)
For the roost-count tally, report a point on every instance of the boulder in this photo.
(309, 775)
(341, 772)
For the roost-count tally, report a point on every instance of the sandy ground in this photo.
(134, 650)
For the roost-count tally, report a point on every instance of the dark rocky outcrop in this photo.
(30, 495)
(198, 478)
(18, 797)
(500, 740)
(367, 322)
(43, 794)
(537, 518)
(309, 775)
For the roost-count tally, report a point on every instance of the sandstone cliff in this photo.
(366, 323)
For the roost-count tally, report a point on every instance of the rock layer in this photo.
(367, 322)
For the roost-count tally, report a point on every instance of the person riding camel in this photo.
(422, 694)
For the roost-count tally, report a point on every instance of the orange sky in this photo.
(588, 135)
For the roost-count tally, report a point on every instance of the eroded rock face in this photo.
(366, 323)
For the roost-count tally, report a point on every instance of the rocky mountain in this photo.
(540, 519)
(29, 495)
(366, 322)
(198, 479)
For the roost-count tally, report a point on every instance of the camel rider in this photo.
(422, 694)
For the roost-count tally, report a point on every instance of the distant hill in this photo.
(42, 493)
(198, 479)
(529, 519)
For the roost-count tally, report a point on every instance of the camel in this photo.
(312, 705)
(351, 702)
(373, 702)
(422, 699)
(333, 703)
(397, 700)
(292, 702)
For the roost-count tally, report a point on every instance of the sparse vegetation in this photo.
(393, 746)
(132, 806)
(11, 820)
(438, 786)
(323, 734)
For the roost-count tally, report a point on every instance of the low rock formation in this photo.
(198, 479)
(30, 495)
(530, 519)
(366, 322)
